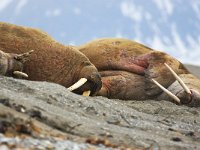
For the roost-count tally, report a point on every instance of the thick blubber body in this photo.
(50, 61)
(127, 69)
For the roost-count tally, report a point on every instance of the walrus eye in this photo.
(77, 84)
(174, 97)
(187, 90)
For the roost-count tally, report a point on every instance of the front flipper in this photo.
(159, 72)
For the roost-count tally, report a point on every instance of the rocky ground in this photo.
(41, 115)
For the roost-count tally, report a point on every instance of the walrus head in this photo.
(90, 82)
(12, 64)
(185, 90)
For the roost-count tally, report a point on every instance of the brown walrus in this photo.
(50, 60)
(127, 69)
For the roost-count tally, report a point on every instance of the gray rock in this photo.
(141, 124)
(43, 144)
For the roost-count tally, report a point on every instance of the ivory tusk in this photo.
(86, 93)
(167, 91)
(77, 84)
(187, 90)
(20, 74)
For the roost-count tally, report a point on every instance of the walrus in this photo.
(50, 60)
(130, 70)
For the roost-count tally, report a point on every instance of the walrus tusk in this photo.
(86, 93)
(187, 90)
(167, 91)
(20, 74)
(77, 84)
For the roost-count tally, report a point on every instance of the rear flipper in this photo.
(12, 64)
(122, 85)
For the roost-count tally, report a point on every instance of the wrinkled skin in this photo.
(127, 68)
(50, 61)
(117, 84)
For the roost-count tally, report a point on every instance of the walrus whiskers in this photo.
(20, 74)
(77, 84)
(167, 91)
(187, 90)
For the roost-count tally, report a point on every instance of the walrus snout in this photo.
(96, 83)
(185, 90)
(195, 99)
(89, 79)
(192, 99)
(93, 84)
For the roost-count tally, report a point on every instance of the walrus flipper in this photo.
(12, 64)
(159, 72)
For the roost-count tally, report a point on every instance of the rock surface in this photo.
(41, 111)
